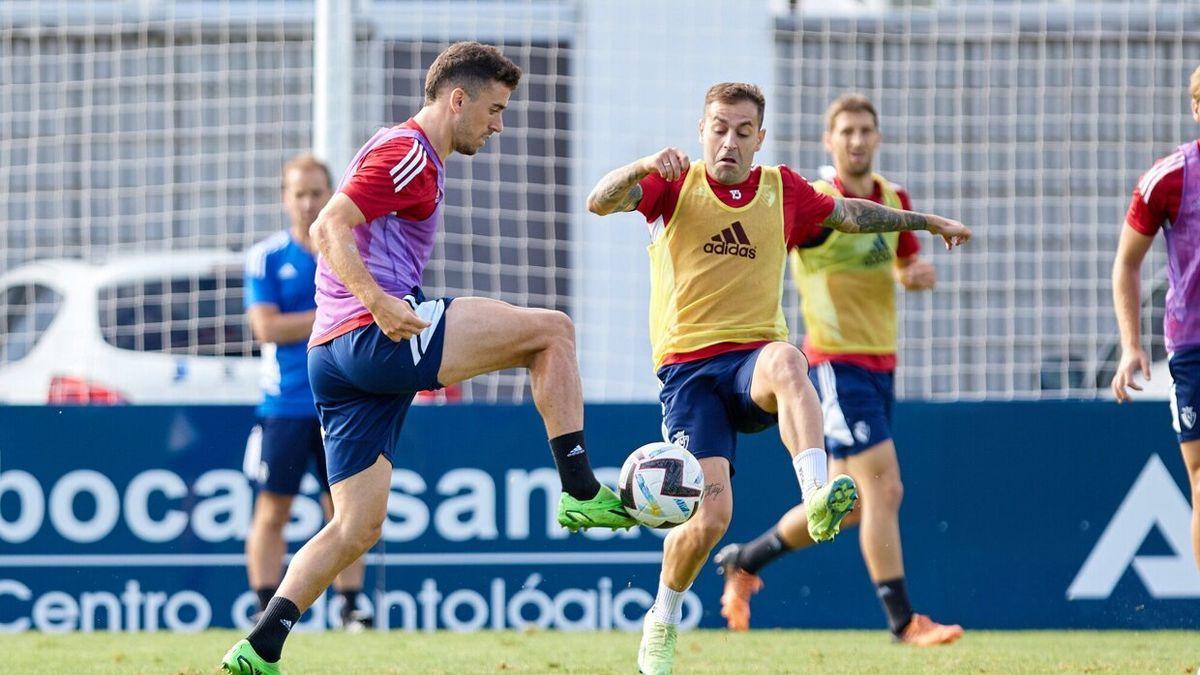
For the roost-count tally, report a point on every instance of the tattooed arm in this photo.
(619, 191)
(861, 216)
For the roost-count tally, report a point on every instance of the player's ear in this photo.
(1196, 109)
(457, 98)
(827, 140)
(762, 133)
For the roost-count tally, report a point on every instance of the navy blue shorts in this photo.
(707, 403)
(856, 404)
(364, 383)
(1185, 393)
(278, 452)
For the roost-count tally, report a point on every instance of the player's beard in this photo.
(728, 174)
(858, 171)
(466, 143)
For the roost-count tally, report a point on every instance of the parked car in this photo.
(152, 328)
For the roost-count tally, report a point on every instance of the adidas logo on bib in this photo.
(732, 240)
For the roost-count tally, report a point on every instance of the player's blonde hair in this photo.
(734, 92)
(1195, 88)
(302, 162)
(853, 102)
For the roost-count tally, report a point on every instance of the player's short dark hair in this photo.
(1195, 88)
(849, 103)
(469, 65)
(735, 92)
(304, 161)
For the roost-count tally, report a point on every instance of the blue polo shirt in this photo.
(281, 272)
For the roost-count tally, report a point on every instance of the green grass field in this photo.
(548, 652)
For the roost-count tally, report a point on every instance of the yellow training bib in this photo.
(716, 272)
(847, 292)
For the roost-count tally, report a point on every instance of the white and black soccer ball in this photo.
(661, 485)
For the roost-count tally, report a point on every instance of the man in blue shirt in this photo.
(280, 304)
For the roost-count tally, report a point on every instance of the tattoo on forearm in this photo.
(618, 191)
(632, 197)
(713, 489)
(837, 216)
(862, 216)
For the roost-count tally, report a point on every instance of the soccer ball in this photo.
(661, 485)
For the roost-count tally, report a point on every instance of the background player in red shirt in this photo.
(1166, 197)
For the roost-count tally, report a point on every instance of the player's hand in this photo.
(1132, 360)
(952, 232)
(396, 318)
(918, 275)
(670, 163)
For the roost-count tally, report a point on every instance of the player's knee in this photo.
(711, 527)
(560, 327)
(272, 521)
(1193, 469)
(712, 531)
(366, 537)
(786, 364)
(891, 493)
(554, 332)
(358, 535)
(272, 513)
(1194, 478)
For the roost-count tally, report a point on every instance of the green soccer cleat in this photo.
(241, 659)
(656, 653)
(828, 505)
(603, 510)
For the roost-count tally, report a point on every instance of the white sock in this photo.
(811, 470)
(668, 606)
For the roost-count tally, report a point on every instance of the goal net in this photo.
(152, 128)
(1030, 122)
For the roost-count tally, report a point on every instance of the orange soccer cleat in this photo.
(739, 586)
(925, 632)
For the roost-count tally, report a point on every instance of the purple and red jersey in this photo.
(1168, 197)
(397, 181)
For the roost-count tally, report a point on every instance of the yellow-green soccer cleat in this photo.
(603, 510)
(241, 659)
(656, 654)
(828, 505)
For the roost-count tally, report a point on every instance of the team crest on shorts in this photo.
(862, 431)
(681, 439)
(1187, 416)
